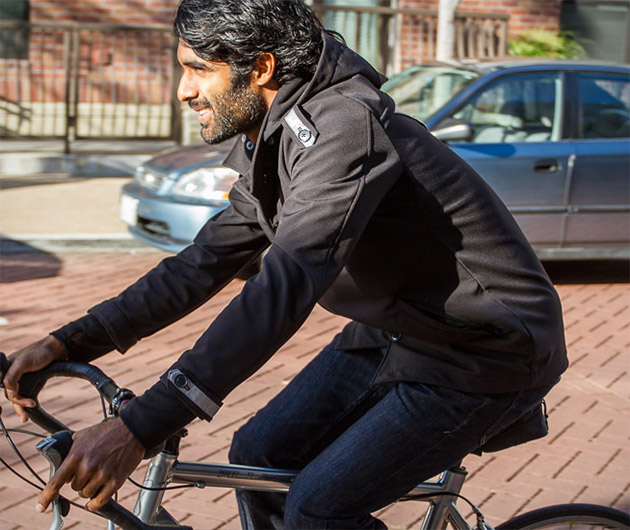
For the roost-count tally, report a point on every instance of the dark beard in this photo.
(235, 112)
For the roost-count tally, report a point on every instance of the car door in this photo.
(599, 210)
(516, 148)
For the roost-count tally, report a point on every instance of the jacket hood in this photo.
(337, 63)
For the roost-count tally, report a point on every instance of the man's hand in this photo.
(101, 459)
(30, 359)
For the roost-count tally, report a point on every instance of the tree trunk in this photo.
(445, 49)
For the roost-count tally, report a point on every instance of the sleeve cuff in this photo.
(155, 416)
(84, 339)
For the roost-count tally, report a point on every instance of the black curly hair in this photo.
(238, 31)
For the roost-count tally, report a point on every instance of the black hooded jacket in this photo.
(368, 215)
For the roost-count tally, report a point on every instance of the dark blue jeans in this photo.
(359, 446)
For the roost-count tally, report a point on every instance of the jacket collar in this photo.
(240, 156)
(337, 63)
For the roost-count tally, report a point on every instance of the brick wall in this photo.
(127, 71)
(415, 35)
(112, 11)
(524, 14)
(415, 38)
(137, 65)
(122, 74)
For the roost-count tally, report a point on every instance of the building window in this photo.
(602, 27)
(14, 41)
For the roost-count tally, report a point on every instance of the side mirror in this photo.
(457, 132)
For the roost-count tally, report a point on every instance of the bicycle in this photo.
(165, 469)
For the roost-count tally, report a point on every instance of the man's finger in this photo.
(89, 488)
(19, 400)
(19, 410)
(62, 476)
(106, 493)
(80, 483)
(12, 377)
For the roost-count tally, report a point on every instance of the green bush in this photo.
(542, 43)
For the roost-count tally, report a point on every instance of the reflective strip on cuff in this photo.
(182, 383)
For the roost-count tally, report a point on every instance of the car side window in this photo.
(604, 106)
(516, 108)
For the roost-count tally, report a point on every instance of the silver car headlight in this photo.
(147, 179)
(211, 184)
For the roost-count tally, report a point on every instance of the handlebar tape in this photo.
(31, 384)
(4, 367)
(57, 446)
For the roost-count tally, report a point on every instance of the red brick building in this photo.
(109, 11)
(524, 14)
(416, 42)
(410, 39)
(119, 81)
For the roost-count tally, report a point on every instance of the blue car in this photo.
(552, 138)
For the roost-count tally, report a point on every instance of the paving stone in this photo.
(585, 458)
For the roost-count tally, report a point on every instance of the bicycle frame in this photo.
(164, 469)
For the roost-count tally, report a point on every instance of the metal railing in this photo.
(106, 81)
(80, 81)
(395, 38)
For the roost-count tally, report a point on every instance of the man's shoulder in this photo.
(348, 111)
(347, 97)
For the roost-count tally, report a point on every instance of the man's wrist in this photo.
(155, 416)
(84, 339)
(131, 438)
(53, 344)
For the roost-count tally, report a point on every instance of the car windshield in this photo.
(421, 90)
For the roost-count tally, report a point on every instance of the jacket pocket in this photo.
(448, 327)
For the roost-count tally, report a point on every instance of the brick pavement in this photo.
(584, 459)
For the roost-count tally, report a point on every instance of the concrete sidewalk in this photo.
(67, 213)
(56, 202)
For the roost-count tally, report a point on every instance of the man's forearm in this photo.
(84, 339)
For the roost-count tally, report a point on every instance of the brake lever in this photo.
(55, 448)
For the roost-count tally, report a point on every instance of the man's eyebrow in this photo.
(195, 64)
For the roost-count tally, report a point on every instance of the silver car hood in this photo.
(179, 160)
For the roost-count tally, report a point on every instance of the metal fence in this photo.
(79, 81)
(104, 81)
(395, 38)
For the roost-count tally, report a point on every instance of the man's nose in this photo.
(186, 91)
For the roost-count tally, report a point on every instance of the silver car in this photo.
(175, 193)
(551, 137)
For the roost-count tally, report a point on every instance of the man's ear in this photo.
(263, 70)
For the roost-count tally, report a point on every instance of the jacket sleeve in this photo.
(336, 185)
(175, 287)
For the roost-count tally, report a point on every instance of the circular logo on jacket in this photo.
(305, 135)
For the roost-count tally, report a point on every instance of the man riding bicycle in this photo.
(456, 331)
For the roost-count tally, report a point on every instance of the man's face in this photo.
(225, 108)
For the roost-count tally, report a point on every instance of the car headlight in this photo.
(146, 179)
(211, 184)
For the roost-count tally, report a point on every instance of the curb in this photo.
(108, 165)
(111, 158)
(60, 243)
